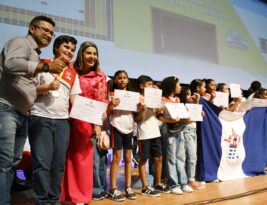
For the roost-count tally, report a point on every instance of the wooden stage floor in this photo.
(251, 190)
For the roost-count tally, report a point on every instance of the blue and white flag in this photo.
(231, 145)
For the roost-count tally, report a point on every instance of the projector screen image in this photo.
(225, 40)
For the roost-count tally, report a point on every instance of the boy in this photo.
(149, 142)
(49, 126)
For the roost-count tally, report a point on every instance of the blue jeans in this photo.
(13, 134)
(100, 170)
(49, 139)
(172, 160)
(181, 148)
(189, 137)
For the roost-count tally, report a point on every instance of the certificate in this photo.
(153, 97)
(128, 100)
(235, 90)
(88, 110)
(221, 99)
(195, 111)
(177, 110)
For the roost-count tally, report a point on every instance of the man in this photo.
(19, 64)
(49, 126)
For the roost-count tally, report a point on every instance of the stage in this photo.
(250, 190)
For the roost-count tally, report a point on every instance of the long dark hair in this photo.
(168, 85)
(114, 86)
(195, 84)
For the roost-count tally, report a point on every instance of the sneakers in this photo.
(98, 197)
(116, 195)
(129, 193)
(176, 190)
(215, 181)
(187, 189)
(162, 188)
(149, 191)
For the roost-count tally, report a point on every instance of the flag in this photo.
(231, 145)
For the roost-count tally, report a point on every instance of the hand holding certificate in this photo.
(128, 100)
(153, 97)
(235, 90)
(177, 110)
(195, 111)
(221, 99)
(88, 110)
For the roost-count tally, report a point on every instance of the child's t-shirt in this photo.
(122, 120)
(148, 128)
(173, 127)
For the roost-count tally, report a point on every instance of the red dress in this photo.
(77, 184)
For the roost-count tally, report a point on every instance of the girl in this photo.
(222, 87)
(210, 89)
(77, 185)
(177, 183)
(121, 137)
(197, 88)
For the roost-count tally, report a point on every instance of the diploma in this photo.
(88, 110)
(153, 97)
(221, 99)
(177, 110)
(195, 111)
(235, 90)
(128, 100)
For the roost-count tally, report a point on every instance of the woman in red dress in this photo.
(77, 185)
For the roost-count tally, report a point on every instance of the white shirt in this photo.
(52, 107)
(148, 128)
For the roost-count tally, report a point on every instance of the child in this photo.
(261, 93)
(222, 87)
(170, 88)
(49, 128)
(197, 88)
(149, 142)
(210, 89)
(121, 137)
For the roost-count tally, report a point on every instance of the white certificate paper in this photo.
(221, 99)
(235, 90)
(88, 110)
(153, 97)
(177, 110)
(195, 111)
(128, 100)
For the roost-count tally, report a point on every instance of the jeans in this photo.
(190, 147)
(13, 134)
(182, 148)
(49, 139)
(100, 170)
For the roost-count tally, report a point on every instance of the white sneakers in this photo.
(187, 188)
(178, 191)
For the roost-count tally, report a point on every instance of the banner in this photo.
(231, 145)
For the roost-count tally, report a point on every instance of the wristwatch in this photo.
(45, 68)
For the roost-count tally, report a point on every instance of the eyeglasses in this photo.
(46, 30)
